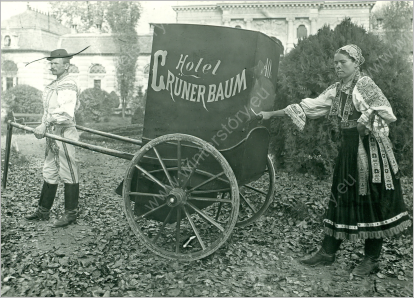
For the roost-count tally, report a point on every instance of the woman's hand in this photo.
(361, 130)
(265, 115)
(268, 115)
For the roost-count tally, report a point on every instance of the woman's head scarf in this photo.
(353, 51)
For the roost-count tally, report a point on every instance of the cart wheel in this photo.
(255, 197)
(171, 203)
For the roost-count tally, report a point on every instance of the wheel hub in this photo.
(176, 197)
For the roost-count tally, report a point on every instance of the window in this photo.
(73, 69)
(97, 84)
(9, 83)
(97, 68)
(302, 32)
(380, 23)
(7, 41)
(237, 26)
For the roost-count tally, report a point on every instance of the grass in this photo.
(113, 122)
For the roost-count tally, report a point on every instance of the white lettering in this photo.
(161, 85)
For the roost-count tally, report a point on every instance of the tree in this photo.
(84, 14)
(122, 17)
(22, 99)
(308, 69)
(395, 22)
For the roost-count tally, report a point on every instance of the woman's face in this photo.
(344, 66)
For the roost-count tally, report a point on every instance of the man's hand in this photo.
(40, 131)
(361, 130)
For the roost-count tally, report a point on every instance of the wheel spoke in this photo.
(248, 203)
(151, 211)
(151, 177)
(163, 166)
(177, 235)
(194, 229)
(178, 157)
(211, 191)
(163, 226)
(206, 217)
(146, 194)
(210, 199)
(218, 210)
(255, 189)
(205, 182)
(193, 169)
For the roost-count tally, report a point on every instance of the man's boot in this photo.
(71, 205)
(47, 196)
(320, 258)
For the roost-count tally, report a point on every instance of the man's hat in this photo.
(59, 53)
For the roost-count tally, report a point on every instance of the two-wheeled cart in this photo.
(203, 165)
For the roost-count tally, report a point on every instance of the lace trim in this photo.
(368, 234)
(369, 224)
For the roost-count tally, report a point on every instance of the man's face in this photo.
(57, 66)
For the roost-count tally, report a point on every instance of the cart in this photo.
(203, 165)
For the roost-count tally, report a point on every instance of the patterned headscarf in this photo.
(353, 51)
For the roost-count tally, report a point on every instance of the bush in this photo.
(96, 105)
(22, 99)
(308, 69)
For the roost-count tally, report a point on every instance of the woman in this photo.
(366, 200)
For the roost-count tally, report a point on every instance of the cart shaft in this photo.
(110, 135)
(106, 151)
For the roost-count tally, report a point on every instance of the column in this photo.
(290, 34)
(248, 23)
(313, 24)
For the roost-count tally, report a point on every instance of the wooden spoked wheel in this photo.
(255, 197)
(174, 192)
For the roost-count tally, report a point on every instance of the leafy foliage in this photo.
(96, 105)
(100, 256)
(83, 14)
(396, 16)
(308, 70)
(22, 99)
(122, 17)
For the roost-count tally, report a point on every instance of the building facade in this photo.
(288, 20)
(33, 35)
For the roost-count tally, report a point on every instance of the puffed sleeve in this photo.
(67, 102)
(311, 107)
(376, 111)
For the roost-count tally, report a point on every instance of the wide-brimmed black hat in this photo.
(59, 53)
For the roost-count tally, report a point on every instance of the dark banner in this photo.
(208, 81)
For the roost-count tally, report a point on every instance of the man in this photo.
(60, 100)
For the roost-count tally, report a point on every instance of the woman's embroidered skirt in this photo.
(378, 214)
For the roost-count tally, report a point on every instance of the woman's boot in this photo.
(47, 196)
(71, 205)
(325, 255)
(320, 258)
(370, 262)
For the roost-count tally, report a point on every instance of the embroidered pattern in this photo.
(296, 113)
(375, 165)
(363, 168)
(365, 225)
(337, 102)
(371, 93)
